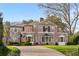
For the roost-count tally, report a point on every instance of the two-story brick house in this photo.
(38, 33)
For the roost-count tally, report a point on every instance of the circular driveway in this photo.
(38, 51)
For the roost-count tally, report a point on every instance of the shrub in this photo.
(4, 51)
(28, 43)
(1, 43)
(71, 38)
(14, 43)
(56, 43)
(15, 51)
(22, 43)
(74, 39)
(46, 43)
(71, 43)
(25, 43)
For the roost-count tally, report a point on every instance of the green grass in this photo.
(69, 50)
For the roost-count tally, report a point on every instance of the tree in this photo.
(24, 21)
(7, 30)
(27, 22)
(57, 21)
(1, 30)
(69, 13)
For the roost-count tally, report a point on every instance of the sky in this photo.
(17, 12)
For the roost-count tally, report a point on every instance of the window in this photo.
(49, 39)
(46, 39)
(43, 28)
(23, 28)
(61, 39)
(48, 28)
(43, 39)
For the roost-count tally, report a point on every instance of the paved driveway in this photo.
(38, 51)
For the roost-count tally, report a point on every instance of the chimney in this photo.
(41, 19)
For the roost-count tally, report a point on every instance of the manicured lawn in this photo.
(69, 50)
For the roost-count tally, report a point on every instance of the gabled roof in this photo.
(44, 22)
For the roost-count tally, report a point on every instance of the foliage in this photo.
(21, 43)
(27, 22)
(14, 43)
(25, 43)
(57, 21)
(6, 28)
(70, 50)
(14, 49)
(71, 43)
(64, 11)
(73, 39)
(28, 43)
(1, 29)
(76, 38)
(4, 51)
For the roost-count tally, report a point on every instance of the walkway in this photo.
(38, 51)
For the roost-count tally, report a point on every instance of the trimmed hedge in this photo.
(21, 44)
(72, 50)
(14, 43)
(4, 51)
(71, 43)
